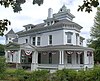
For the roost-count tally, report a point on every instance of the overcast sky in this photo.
(34, 14)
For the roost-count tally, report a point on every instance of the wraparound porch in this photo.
(58, 59)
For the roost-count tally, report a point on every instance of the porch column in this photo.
(61, 59)
(6, 53)
(19, 56)
(34, 61)
(85, 59)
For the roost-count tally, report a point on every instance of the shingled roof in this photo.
(58, 24)
(10, 32)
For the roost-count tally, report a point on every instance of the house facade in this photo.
(54, 44)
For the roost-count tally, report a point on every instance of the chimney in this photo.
(50, 13)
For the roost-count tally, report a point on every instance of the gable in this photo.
(12, 46)
(27, 46)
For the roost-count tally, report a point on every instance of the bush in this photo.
(59, 75)
(19, 74)
(66, 75)
(40, 75)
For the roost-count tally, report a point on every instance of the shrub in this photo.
(19, 74)
(39, 75)
(66, 75)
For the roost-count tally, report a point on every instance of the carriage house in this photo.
(52, 45)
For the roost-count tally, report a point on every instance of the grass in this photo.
(10, 70)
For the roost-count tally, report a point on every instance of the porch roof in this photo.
(63, 47)
(45, 48)
(16, 46)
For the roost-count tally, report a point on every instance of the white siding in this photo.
(57, 38)
(22, 40)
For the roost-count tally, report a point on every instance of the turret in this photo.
(63, 13)
(10, 36)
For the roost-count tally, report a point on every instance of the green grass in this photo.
(10, 70)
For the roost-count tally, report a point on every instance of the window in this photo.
(26, 40)
(77, 39)
(12, 57)
(69, 58)
(77, 57)
(33, 40)
(81, 58)
(48, 23)
(69, 37)
(26, 28)
(39, 58)
(38, 40)
(50, 39)
(51, 22)
(89, 55)
(50, 58)
(9, 38)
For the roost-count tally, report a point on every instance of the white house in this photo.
(54, 44)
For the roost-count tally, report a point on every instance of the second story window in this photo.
(33, 41)
(50, 39)
(77, 35)
(69, 37)
(38, 40)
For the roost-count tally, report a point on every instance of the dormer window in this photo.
(26, 40)
(56, 21)
(51, 22)
(48, 23)
(26, 28)
(9, 38)
(60, 9)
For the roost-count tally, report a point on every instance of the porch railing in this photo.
(67, 66)
(55, 66)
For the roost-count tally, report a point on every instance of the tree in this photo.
(2, 50)
(88, 4)
(16, 5)
(94, 42)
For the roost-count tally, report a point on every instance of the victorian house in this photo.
(52, 45)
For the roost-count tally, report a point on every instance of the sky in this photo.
(34, 14)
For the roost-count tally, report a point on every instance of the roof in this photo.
(13, 45)
(59, 24)
(65, 47)
(28, 25)
(11, 32)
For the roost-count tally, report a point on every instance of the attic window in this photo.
(26, 28)
(9, 38)
(51, 22)
(26, 40)
(56, 21)
(60, 9)
(48, 23)
(31, 27)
